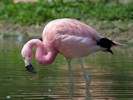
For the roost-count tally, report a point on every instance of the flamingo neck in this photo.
(43, 54)
(45, 58)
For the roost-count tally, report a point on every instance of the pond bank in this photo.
(116, 30)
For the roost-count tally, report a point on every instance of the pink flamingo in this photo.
(69, 37)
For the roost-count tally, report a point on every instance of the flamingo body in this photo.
(69, 37)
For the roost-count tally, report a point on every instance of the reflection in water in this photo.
(87, 90)
(111, 76)
(87, 95)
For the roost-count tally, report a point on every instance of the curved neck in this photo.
(43, 54)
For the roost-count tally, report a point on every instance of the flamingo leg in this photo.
(87, 79)
(70, 77)
(84, 71)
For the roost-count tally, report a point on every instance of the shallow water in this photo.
(111, 76)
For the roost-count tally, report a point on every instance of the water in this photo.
(111, 76)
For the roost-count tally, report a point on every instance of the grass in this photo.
(41, 12)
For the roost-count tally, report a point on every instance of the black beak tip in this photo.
(31, 69)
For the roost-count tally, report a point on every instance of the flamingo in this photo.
(69, 37)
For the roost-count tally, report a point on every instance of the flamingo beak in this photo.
(29, 67)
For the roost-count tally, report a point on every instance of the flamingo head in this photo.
(27, 56)
(29, 66)
(107, 44)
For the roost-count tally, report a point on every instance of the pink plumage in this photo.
(69, 37)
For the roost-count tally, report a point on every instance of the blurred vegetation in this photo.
(40, 12)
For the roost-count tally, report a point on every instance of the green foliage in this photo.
(40, 12)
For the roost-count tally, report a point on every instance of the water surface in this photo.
(111, 76)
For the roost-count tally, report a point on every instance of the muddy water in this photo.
(111, 76)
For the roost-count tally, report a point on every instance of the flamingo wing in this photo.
(74, 46)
